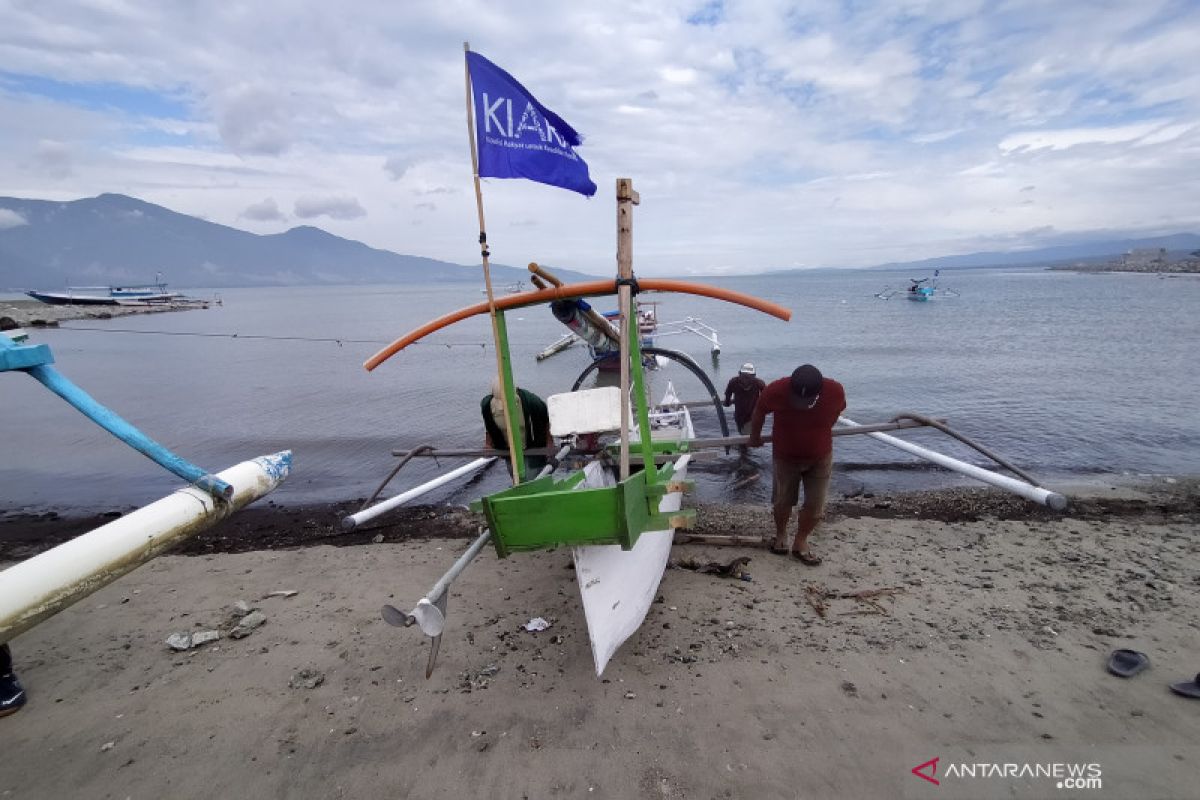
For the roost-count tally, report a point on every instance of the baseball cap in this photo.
(806, 384)
(747, 369)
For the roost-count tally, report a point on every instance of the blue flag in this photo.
(518, 137)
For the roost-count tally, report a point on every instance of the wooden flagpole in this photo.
(514, 447)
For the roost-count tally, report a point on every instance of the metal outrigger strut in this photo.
(429, 614)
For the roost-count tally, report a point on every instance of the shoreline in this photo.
(270, 526)
(36, 314)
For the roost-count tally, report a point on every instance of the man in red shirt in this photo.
(806, 407)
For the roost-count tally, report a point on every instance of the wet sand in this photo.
(992, 630)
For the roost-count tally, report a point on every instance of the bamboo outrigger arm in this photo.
(572, 291)
(35, 360)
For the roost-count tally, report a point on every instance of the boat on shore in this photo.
(619, 511)
(103, 296)
(619, 508)
(155, 294)
(133, 294)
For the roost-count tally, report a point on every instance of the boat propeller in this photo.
(429, 616)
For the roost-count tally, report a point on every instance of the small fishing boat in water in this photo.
(513, 288)
(920, 290)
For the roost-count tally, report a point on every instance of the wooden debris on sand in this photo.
(819, 596)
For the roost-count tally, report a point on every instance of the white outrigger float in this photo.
(45, 584)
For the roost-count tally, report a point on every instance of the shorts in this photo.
(785, 490)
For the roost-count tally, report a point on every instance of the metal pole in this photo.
(692, 444)
(45, 584)
(368, 514)
(1037, 494)
(429, 613)
(443, 583)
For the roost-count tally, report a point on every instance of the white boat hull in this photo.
(618, 586)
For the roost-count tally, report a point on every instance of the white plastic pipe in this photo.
(1037, 494)
(41, 586)
(367, 514)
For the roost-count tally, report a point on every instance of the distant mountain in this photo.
(114, 239)
(1176, 244)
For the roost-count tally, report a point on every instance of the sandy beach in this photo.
(991, 633)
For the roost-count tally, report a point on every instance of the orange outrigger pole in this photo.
(572, 291)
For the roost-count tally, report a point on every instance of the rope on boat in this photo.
(320, 339)
(933, 423)
(421, 448)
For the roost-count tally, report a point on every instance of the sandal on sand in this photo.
(779, 551)
(1127, 663)
(807, 559)
(1188, 688)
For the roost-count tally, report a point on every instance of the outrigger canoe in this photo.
(620, 528)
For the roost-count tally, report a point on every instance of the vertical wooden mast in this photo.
(503, 368)
(627, 198)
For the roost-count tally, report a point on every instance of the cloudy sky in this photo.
(760, 134)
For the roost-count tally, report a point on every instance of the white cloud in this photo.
(11, 219)
(265, 211)
(52, 159)
(396, 167)
(333, 207)
(1070, 137)
(782, 132)
(937, 136)
(253, 120)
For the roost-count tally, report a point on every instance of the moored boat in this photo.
(920, 290)
(132, 294)
(106, 295)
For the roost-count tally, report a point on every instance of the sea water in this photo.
(1067, 375)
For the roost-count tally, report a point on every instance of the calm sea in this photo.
(1067, 375)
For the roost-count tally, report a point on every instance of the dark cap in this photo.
(806, 385)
